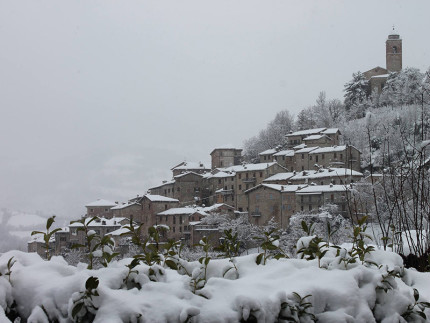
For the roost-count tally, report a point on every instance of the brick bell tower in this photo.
(393, 50)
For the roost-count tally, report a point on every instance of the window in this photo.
(310, 157)
(316, 158)
(394, 49)
(174, 229)
(74, 232)
(303, 156)
(270, 196)
(322, 156)
(106, 210)
(180, 229)
(240, 187)
(310, 207)
(334, 155)
(219, 181)
(303, 168)
(166, 218)
(247, 186)
(174, 219)
(63, 239)
(341, 156)
(261, 174)
(91, 210)
(180, 219)
(264, 157)
(332, 197)
(240, 176)
(178, 189)
(301, 208)
(253, 175)
(257, 197)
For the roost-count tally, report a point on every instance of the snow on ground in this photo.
(262, 292)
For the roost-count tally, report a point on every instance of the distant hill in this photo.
(16, 228)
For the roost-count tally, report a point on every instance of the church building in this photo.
(377, 76)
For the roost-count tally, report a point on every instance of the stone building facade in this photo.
(313, 197)
(225, 157)
(100, 208)
(272, 201)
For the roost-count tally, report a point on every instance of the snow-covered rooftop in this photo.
(314, 137)
(160, 198)
(115, 221)
(268, 152)
(306, 150)
(318, 189)
(124, 205)
(119, 231)
(216, 206)
(188, 210)
(222, 174)
(164, 184)
(278, 187)
(306, 132)
(330, 131)
(187, 173)
(279, 177)
(190, 165)
(101, 202)
(285, 153)
(248, 167)
(321, 150)
(384, 76)
(301, 146)
(332, 172)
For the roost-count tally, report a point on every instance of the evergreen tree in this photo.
(356, 93)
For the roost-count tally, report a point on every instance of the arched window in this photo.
(394, 49)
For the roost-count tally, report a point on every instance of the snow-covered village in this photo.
(215, 162)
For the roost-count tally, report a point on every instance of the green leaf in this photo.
(36, 232)
(171, 264)
(77, 245)
(305, 226)
(49, 222)
(76, 309)
(92, 283)
(53, 231)
(259, 258)
(416, 295)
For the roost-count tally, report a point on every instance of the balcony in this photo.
(256, 213)
(249, 180)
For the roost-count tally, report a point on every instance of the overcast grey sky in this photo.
(99, 99)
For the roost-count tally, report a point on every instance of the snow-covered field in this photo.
(380, 292)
